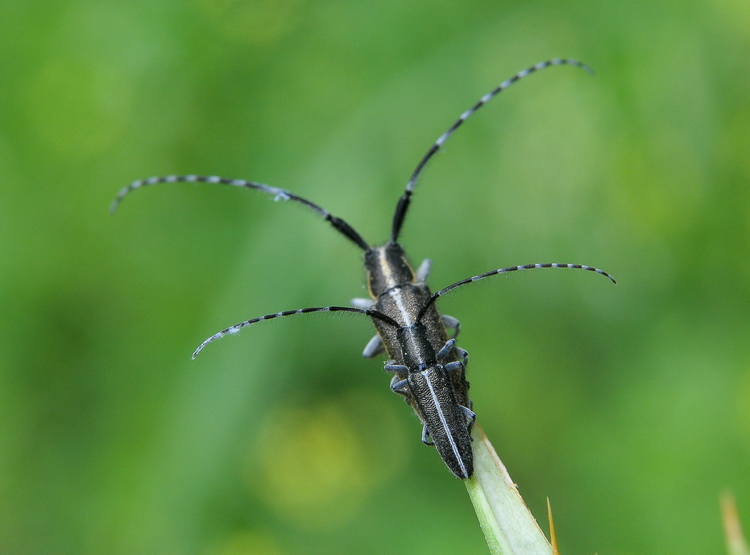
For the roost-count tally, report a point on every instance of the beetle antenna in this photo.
(403, 202)
(491, 273)
(278, 194)
(231, 330)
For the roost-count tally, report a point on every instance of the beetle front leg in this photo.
(452, 323)
(373, 348)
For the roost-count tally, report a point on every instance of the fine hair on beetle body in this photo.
(428, 368)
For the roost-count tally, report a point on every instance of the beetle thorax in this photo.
(387, 267)
(417, 350)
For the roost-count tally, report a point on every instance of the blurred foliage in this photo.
(628, 406)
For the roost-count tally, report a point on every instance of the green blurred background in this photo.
(627, 406)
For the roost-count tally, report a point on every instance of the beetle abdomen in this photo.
(445, 420)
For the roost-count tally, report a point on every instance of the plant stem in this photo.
(508, 526)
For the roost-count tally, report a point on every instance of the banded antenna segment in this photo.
(278, 194)
(499, 271)
(231, 330)
(403, 202)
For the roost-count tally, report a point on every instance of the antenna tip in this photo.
(121, 194)
(573, 62)
(609, 276)
(587, 68)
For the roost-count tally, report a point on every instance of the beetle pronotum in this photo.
(429, 370)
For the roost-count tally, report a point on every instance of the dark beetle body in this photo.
(397, 293)
(440, 397)
(429, 371)
(435, 398)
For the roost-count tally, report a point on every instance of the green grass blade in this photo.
(736, 542)
(508, 526)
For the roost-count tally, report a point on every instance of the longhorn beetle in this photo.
(428, 369)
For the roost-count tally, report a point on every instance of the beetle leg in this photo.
(453, 366)
(400, 386)
(363, 303)
(398, 368)
(446, 350)
(470, 415)
(373, 348)
(423, 272)
(451, 323)
(426, 439)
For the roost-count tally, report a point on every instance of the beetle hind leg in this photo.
(426, 437)
(469, 414)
